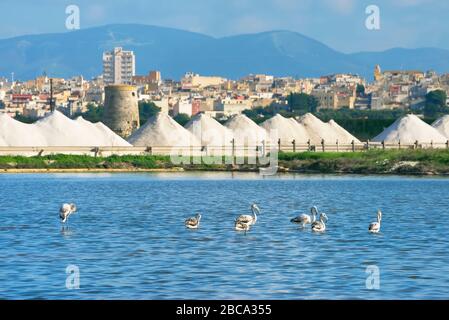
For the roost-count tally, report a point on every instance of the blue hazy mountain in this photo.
(174, 52)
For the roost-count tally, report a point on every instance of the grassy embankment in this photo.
(84, 162)
(370, 162)
(422, 162)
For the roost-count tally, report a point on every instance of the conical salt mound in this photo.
(101, 135)
(341, 134)
(60, 131)
(410, 129)
(246, 132)
(442, 125)
(209, 131)
(287, 129)
(162, 131)
(317, 129)
(14, 133)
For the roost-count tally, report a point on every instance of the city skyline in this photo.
(340, 23)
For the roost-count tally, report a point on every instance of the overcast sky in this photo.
(337, 23)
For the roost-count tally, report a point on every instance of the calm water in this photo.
(129, 242)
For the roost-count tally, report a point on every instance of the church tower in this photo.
(377, 73)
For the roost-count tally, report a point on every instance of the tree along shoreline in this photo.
(394, 162)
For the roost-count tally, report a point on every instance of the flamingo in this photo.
(374, 227)
(249, 219)
(304, 219)
(320, 226)
(66, 210)
(193, 222)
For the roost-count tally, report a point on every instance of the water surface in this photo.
(129, 241)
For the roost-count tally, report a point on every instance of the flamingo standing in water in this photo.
(320, 226)
(374, 227)
(66, 210)
(249, 219)
(245, 221)
(304, 219)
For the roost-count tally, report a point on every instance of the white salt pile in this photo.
(287, 129)
(14, 133)
(246, 132)
(162, 131)
(442, 125)
(209, 131)
(56, 130)
(410, 129)
(101, 135)
(341, 134)
(318, 130)
(61, 131)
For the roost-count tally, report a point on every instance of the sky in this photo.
(339, 24)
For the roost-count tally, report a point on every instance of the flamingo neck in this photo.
(314, 214)
(254, 214)
(322, 219)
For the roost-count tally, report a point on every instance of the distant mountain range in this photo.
(174, 52)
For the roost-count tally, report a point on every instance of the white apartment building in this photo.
(119, 66)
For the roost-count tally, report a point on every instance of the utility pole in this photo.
(52, 107)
